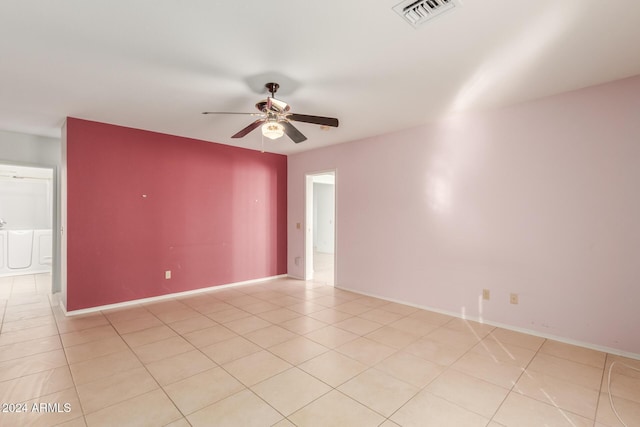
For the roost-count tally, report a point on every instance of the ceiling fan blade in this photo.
(316, 120)
(248, 129)
(293, 133)
(227, 112)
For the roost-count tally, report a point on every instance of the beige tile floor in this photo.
(323, 268)
(291, 353)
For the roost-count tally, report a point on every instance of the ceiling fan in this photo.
(275, 118)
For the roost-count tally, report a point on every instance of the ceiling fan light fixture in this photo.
(276, 118)
(272, 130)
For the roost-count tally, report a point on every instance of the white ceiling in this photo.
(157, 64)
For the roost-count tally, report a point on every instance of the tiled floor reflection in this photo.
(291, 353)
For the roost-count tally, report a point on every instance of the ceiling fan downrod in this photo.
(273, 88)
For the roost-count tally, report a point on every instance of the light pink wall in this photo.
(541, 199)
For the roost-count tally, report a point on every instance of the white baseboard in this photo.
(166, 296)
(565, 340)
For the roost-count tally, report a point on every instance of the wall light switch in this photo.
(298, 225)
(513, 299)
(167, 274)
(486, 294)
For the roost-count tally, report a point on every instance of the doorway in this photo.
(320, 227)
(27, 202)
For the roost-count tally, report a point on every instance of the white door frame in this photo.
(55, 218)
(308, 223)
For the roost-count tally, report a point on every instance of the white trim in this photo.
(335, 227)
(291, 276)
(166, 296)
(308, 227)
(504, 326)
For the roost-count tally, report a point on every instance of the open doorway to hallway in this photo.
(27, 202)
(320, 227)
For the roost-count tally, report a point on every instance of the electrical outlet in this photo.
(486, 294)
(167, 274)
(513, 299)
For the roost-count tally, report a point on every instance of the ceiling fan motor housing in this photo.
(272, 87)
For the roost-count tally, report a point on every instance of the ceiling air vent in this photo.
(420, 11)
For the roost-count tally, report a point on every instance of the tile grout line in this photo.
(4, 313)
(217, 365)
(75, 387)
(397, 350)
(249, 388)
(197, 348)
(110, 323)
(446, 369)
(331, 388)
(602, 383)
(144, 365)
(246, 387)
(539, 351)
(511, 390)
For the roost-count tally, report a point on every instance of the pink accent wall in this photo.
(540, 199)
(140, 203)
